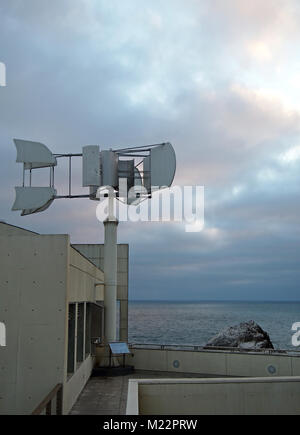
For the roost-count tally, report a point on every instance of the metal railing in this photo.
(46, 404)
(195, 348)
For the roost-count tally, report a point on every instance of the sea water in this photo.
(194, 323)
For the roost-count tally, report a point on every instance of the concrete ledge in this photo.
(253, 396)
(215, 363)
(132, 407)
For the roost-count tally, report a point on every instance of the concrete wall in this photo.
(85, 284)
(34, 276)
(86, 280)
(221, 363)
(40, 276)
(254, 396)
(95, 253)
(12, 230)
(74, 385)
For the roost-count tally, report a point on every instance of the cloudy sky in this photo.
(220, 79)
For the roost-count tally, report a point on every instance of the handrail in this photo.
(47, 402)
(198, 348)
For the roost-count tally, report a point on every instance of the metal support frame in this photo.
(70, 174)
(132, 152)
(116, 355)
(110, 273)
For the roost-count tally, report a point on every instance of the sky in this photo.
(219, 79)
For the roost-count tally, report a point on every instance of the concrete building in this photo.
(52, 310)
(51, 304)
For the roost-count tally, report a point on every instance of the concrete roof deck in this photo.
(108, 395)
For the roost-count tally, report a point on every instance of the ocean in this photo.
(194, 323)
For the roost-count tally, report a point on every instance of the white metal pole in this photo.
(110, 274)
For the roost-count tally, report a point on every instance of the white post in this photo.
(110, 274)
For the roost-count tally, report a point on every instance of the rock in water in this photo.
(246, 335)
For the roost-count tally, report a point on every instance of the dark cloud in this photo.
(214, 78)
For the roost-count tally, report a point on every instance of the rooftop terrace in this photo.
(108, 395)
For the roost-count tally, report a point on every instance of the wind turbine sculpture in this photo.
(140, 169)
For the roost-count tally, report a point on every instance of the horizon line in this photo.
(215, 300)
